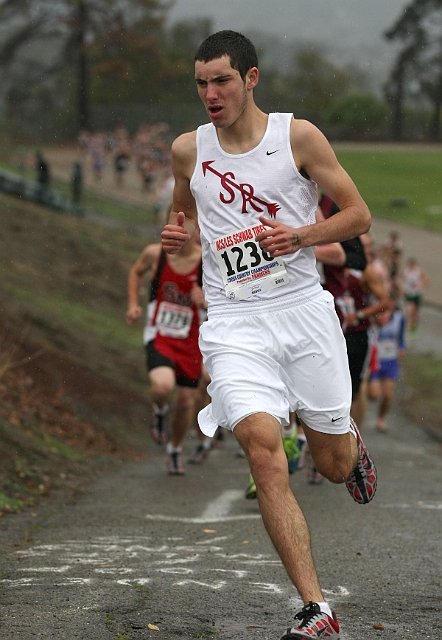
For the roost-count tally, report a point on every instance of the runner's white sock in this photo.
(161, 412)
(325, 608)
(352, 429)
(171, 449)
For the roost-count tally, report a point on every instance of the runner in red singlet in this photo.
(175, 311)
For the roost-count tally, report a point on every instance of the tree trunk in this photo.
(437, 107)
(397, 101)
(83, 68)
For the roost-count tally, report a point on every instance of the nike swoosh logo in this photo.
(269, 153)
(336, 419)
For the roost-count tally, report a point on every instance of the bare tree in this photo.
(419, 61)
(72, 25)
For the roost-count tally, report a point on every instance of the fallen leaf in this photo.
(378, 626)
(153, 627)
(209, 530)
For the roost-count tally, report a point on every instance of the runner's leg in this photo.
(162, 385)
(260, 437)
(387, 396)
(182, 415)
(334, 456)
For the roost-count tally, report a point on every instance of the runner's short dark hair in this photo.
(241, 50)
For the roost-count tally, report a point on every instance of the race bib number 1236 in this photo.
(245, 268)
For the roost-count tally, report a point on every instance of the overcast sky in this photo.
(352, 29)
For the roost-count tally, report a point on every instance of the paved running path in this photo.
(189, 556)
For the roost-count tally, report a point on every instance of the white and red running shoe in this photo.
(362, 481)
(314, 624)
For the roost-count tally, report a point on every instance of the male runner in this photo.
(272, 342)
(171, 339)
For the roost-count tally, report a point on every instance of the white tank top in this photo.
(231, 192)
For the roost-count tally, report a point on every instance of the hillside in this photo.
(72, 376)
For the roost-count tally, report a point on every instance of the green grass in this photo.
(111, 330)
(424, 373)
(382, 176)
(48, 444)
(8, 503)
(412, 176)
(423, 379)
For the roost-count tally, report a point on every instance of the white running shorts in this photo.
(287, 355)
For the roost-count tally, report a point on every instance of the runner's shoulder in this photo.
(303, 133)
(151, 254)
(184, 147)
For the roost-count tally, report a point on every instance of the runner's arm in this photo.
(317, 161)
(372, 281)
(183, 216)
(332, 253)
(149, 257)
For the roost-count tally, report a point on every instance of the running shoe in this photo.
(175, 465)
(314, 624)
(362, 481)
(381, 426)
(158, 427)
(291, 450)
(201, 452)
(313, 476)
(251, 490)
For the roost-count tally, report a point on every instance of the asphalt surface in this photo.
(189, 555)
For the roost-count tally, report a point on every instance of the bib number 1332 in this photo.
(245, 268)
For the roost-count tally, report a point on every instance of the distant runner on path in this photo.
(415, 280)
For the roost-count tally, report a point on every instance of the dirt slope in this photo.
(72, 377)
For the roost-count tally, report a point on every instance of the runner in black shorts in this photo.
(174, 362)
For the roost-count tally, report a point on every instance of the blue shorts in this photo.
(388, 369)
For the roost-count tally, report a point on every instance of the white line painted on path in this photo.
(418, 505)
(46, 569)
(222, 506)
(216, 511)
(159, 518)
(214, 585)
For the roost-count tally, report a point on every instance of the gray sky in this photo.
(349, 29)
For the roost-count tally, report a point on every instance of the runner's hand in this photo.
(280, 239)
(133, 314)
(174, 236)
(197, 296)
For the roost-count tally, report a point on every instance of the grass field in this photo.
(400, 185)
